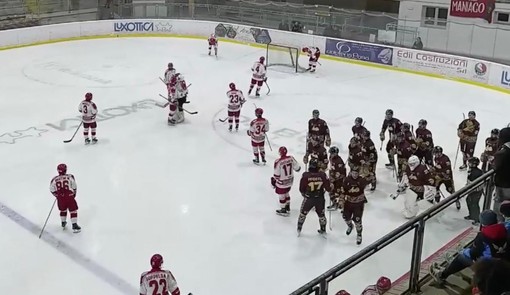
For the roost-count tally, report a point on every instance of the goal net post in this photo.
(283, 56)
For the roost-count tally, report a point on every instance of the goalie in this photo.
(177, 95)
(313, 57)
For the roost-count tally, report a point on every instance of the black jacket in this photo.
(502, 160)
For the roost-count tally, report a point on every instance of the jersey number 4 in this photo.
(155, 285)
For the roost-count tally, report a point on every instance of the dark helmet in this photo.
(334, 150)
(473, 162)
(358, 120)
(422, 123)
(437, 150)
(313, 165)
(495, 132)
(471, 113)
(315, 114)
(389, 113)
(366, 134)
(406, 126)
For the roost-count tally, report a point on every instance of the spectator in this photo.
(284, 25)
(491, 277)
(504, 209)
(502, 168)
(418, 44)
(297, 27)
(382, 286)
(473, 198)
(491, 242)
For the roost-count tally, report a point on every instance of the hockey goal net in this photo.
(286, 56)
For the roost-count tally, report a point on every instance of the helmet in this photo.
(389, 113)
(88, 96)
(343, 292)
(156, 261)
(406, 126)
(232, 86)
(473, 162)
(366, 134)
(305, 49)
(383, 284)
(282, 151)
(422, 123)
(259, 112)
(495, 132)
(213, 35)
(437, 150)
(354, 141)
(472, 114)
(333, 150)
(313, 165)
(413, 162)
(62, 169)
(262, 59)
(170, 65)
(354, 172)
(358, 120)
(315, 114)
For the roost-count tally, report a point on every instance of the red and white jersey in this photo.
(235, 100)
(284, 168)
(178, 87)
(169, 73)
(212, 41)
(259, 71)
(370, 290)
(158, 282)
(88, 111)
(63, 185)
(258, 128)
(314, 52)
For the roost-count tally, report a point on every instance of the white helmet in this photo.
(413, 162)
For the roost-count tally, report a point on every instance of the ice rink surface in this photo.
(190, 192)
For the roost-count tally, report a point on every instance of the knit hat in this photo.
(488, 217)
(505, 209)
(504, 135)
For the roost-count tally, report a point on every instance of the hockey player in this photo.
(313, 186)
(353, 192)
(337, 173)
(213, 43)
(313, 57)
(443, 174)
(409, 136)
(157, 280)
(473, 198)
(468, 133)
(258, 128)
(63, 187)
(318, 152)
(178, 94)
(258, 75)
(404, 150)
(235, 103)
(358, 129)
(370, 153)
(283, 178)
(169, 73)
(394, 126)
(491, 147)
(318, 130)
(424, 142)
(88, 111)
(382, 286)
(417, 176)
(356, 158)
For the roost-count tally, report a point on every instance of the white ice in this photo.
(190, 192)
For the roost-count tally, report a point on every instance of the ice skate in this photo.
(230, 128)
(389, 166)
(64, 223)
(283, 212)
(256, 161)
(468, 217)
(299, 231)
(372, 187)
(249, 91)
(171, 122)
(312, 71)
(76, 228)
(287, 207)
(94, 140)
(264, 160)
(209, 52)
(463, 167)
(87, 140)
(322, 233)
(257, 94)
(333, 207)
(457, 204)
(359, 239)
(237, 127)
(349, 229)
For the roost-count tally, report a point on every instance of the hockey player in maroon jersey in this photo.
(318, 130)
(409, 136)
(358, 129)
(370, 153)
(491, 147)
(337, 173)
(394, 126)
(313, 186)
(63, 187)
(443, 173)
(424, 142)
(404, 150)
(468, 134)
(318, 152)
(353, 191)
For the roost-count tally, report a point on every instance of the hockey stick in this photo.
(191, 113)
(395, 196)
(268, 143)
(49, 214)
(330, 222)
(458, 146)
(268, 89)
(224, 120)
(69, 140)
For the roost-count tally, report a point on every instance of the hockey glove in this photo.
(381, 136)
(273, 182)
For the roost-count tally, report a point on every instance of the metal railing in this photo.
(319, 285)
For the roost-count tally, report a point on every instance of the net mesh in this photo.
(285, 56)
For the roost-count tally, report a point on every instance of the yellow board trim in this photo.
(258, 45)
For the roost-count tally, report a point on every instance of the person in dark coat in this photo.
(492, 241)
(491, 277)
(502, 169)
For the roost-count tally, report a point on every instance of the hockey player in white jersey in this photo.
(169, 73)
(235, 103)
(283, 178)
(258, 75)
(157, 280)
(88, 111)
(178, 93)
(313, 57)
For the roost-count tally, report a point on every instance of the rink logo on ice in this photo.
(73, 122)
(505, 78)
(133, 27)
(359, 51)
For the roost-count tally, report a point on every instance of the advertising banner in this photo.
(500, 76)
(473, 9)
(243, 33)
(142, 26)
(359, 51)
